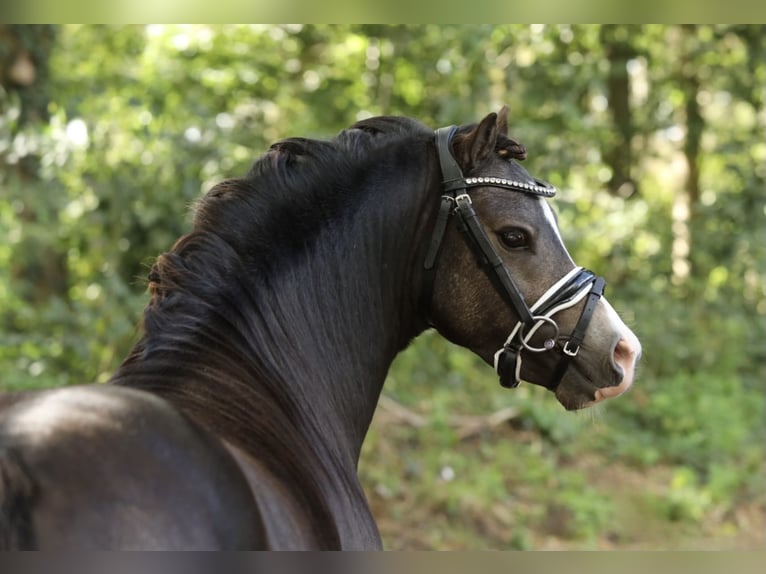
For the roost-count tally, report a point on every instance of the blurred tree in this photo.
(619, 44)
(24, 54)
(24, 96)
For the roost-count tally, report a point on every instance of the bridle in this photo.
(576, 285)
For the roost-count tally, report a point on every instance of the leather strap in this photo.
(572, 346)
(445, 209)
(481, 241)
(452, 175)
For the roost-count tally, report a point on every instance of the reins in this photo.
(572, 288)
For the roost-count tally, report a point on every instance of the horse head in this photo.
(503, 283)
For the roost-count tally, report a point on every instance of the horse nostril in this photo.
(622, 351)
(626, 354)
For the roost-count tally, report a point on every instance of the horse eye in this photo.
(514, 238)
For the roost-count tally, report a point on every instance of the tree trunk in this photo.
(695, 126)
(619, 157)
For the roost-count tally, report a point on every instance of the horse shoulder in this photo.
(116, 468)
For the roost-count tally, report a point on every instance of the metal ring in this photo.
(538, 319)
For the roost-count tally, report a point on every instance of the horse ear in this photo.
(508, 147)
(478, 144)
(502, 121)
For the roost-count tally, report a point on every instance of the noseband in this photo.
(572, 288)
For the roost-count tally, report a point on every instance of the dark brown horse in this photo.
(238, 418)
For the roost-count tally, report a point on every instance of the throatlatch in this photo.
(568, 291)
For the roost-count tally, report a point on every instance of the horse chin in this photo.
(574, 392)
(573, 401)
(581, 393)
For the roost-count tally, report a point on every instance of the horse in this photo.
(237, 420)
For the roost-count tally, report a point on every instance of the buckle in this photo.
(571, 353)
(465, 197)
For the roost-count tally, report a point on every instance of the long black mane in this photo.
(259, 308)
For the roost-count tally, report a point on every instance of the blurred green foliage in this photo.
(653, 133)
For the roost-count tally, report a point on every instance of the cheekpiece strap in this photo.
(485, 248)
(453, 181)
(445, 209)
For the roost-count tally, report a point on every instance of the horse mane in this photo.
(297, 186)
(261, 224)
(222, 313)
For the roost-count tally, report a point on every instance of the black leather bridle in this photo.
(575, 286)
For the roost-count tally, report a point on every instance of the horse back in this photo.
(104, 467)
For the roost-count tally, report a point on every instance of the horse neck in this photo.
(346, 312)
(311, 343)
